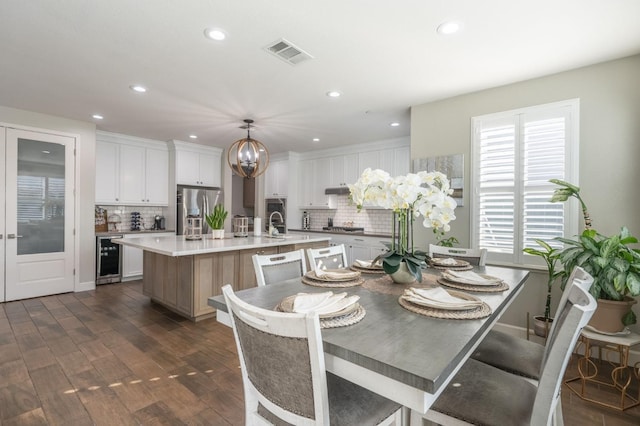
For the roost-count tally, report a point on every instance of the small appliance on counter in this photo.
(158, 223)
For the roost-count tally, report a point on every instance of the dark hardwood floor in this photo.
(110, 357)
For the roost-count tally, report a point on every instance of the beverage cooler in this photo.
(109, 260)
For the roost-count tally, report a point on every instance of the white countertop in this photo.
(178, 246)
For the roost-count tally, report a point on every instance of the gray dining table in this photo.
(405, 356)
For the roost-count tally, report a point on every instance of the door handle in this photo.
(13, 236)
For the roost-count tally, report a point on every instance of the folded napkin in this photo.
(439, 297)
(336, 274)
(323, 303)
(367, 263)
(470, 277)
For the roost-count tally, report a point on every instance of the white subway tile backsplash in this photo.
(373, 221)
(147, 215)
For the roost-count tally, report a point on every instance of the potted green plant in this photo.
(613, 263)
(216, 219)
(550, 255)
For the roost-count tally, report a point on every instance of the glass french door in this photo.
(39, 214)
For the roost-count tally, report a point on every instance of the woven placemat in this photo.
(332, 284)
(367, 270)
(502, 286)
(385, 284)
(350, 318)
(453, 268)
(482, 311)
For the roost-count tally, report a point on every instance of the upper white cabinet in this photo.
(276, 179)
(314, 178)
(197, 165)
(131, 171)
(107, 172)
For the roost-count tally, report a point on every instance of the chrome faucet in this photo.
(274, 231)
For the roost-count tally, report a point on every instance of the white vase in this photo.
(402, 275)
(218, 234)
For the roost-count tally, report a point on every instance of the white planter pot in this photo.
(402, 275)
(218, 234)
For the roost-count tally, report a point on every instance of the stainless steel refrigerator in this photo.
(196, 201)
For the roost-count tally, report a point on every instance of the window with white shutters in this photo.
(515, 154)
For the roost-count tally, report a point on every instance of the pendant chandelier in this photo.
(248, 157)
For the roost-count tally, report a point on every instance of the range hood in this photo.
(340, 190)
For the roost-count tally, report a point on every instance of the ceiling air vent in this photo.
(288, 52)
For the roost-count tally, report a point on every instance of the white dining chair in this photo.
(520, 356)
(271, 268)
(482, 394)
(284, 377)
(476, 257)
(333, 257)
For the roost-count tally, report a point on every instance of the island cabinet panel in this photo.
(212, 272)
(184, 284)
(246, 272)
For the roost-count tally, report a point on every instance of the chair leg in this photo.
(558, 420)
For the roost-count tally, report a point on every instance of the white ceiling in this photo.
(75, 58)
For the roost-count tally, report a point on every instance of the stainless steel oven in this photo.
(108, 260)
(272, 207)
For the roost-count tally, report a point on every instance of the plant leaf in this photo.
(633, 284)
(629, 318)
(565, 184)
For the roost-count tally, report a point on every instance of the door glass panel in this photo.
(41, 167)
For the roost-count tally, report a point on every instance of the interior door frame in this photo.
(3, 234)
(76, 203)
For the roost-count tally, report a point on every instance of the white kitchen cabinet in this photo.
(197, 165)
(276, 182)
(157, 176)
(368, 160)
(313, 180)
(365, 248)
(132, 263)
(131, 171)
(107, 172)
(132, 175)
(343, 170)
(351, 171)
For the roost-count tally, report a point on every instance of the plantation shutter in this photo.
(515, 154)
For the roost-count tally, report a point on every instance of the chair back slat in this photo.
(476, 257)
(334, 257)
(272, 268)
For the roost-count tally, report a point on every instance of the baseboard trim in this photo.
(85, 286)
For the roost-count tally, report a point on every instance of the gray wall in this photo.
(85, 178)
(609, 96)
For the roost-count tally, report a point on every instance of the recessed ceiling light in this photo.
(448, 28)
(316, 139)
(394, 124)
(138, 88)
(215, 34)
(97, 116)
(334, 94)
(193, 136)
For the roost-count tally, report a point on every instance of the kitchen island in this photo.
(181, 274)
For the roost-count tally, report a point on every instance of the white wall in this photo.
(85, 178)
(609, 96)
